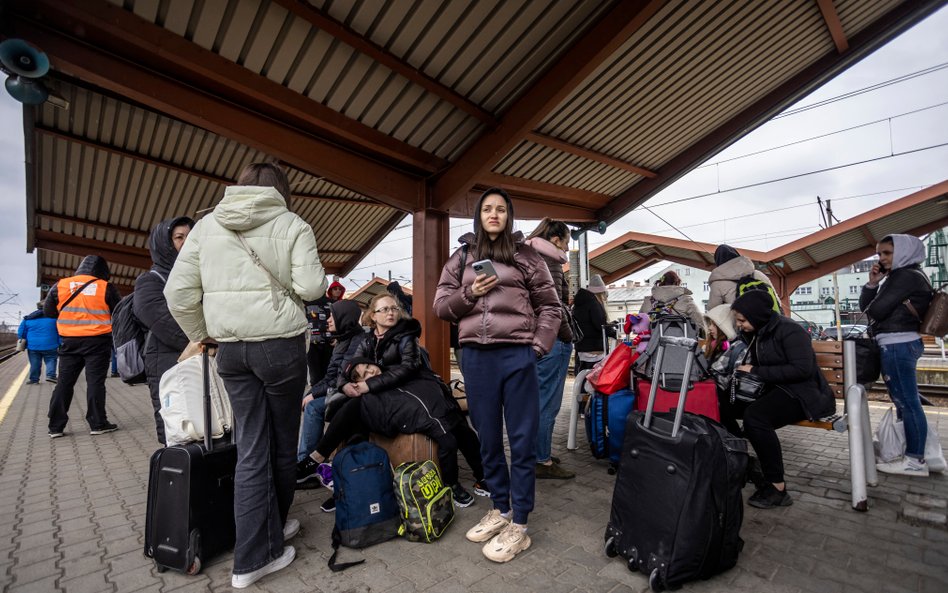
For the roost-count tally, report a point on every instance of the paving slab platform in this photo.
(72, 514)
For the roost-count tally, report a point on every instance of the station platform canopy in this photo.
(581, 110)
(792, 264)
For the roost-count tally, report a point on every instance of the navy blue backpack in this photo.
(366, 510)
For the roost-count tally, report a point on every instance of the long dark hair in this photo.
(549, 228)
(501, 249)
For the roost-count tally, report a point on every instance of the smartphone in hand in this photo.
(485, 266)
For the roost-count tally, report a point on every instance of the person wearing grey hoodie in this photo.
(895, 299)
(165, 340)
(240, 281)
(730, 266)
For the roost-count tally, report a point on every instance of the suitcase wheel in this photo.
(194, 550)
(633, 563)
(655, 582)
(611, 550)
(160, 568)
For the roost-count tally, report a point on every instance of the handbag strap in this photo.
(77, 293)
(275, 285)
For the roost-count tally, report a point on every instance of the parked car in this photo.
(813, 329)
(849, 331)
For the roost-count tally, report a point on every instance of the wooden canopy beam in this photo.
(121, 32)
(589, 154)
(561, 194)
(230, 120)
(81, 246)
(527, 205)
(835, 26)
(560, 79)
(322, 21)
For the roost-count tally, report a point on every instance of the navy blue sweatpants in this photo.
(502, 389)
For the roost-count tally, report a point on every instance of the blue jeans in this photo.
(551, 374)
(501, 385)
(37, 357)
(264, 381)
(311, 429)
(898, 372)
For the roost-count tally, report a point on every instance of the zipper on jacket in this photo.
(441, 426)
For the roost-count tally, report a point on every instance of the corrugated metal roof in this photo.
(655, 92)
(668, 85)
(485, 51)
(109, 170)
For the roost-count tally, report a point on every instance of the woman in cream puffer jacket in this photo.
(217, 292)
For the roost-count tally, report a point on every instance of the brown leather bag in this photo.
(936, 318)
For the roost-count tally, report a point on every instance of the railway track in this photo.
(7, 352)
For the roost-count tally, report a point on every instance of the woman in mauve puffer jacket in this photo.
(505, 322)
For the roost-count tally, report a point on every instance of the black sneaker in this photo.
(105, 428)
(462, 498)
(115, 375)
(50, 379)
(306, 470)
(329, 505)
(769, 497)
(480, 488)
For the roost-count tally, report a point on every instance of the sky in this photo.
(875, 133)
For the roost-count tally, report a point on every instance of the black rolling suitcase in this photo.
(190, 514)
(677, 506)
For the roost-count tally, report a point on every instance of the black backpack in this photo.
(750, 282)
(128, 337)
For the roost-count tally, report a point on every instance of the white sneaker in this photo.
(507, 544)
(242, 581)
(490, 525)
(291, 528)
(906, 466)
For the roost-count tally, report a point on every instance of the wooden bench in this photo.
(837, 361)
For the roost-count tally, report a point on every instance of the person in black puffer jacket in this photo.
(781, 354)
(895, 282)
(347, 335)
(589, 311)
(165, 340)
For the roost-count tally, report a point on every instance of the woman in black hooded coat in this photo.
(779, 352)
(165, 340)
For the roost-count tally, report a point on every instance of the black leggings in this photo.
(461, 438)
(762, 418)
(348, 422)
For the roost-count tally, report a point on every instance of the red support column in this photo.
(429, 252)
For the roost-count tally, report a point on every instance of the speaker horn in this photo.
(22, 59)
(26, 90)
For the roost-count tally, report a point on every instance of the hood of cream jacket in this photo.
(216, 290)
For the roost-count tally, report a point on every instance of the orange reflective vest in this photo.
(87, 314)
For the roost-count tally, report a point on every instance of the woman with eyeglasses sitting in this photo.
(392, 344)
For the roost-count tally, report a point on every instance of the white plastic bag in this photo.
(934, 456)
(889, 440)
(181, 391)
(889, 443)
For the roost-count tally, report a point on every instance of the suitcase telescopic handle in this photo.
(205, 366)
(689, 344)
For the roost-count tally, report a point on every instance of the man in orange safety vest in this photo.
(82, 306)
